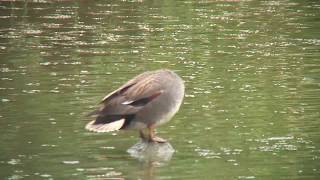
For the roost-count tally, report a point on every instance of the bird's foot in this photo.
(157, 139)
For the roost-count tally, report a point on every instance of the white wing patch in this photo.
(127, 102)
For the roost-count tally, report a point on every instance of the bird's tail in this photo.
(107, 127)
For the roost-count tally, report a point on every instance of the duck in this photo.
(143, 103)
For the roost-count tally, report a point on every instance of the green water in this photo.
(251, 70)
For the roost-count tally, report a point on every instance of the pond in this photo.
(251, 71)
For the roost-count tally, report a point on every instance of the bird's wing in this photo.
(126, 86)
(132, 96)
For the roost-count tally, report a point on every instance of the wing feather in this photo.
(132, 96)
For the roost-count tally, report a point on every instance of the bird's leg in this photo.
(142, 136)
(153, 137)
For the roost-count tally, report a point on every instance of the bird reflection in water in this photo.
(151, 155)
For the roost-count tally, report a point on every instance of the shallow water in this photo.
(252, 75)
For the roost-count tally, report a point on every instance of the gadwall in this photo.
(144, 102)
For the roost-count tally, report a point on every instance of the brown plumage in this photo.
(144, 102)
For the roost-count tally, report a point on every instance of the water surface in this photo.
(251, 70)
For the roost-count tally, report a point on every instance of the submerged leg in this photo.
(153, 137)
